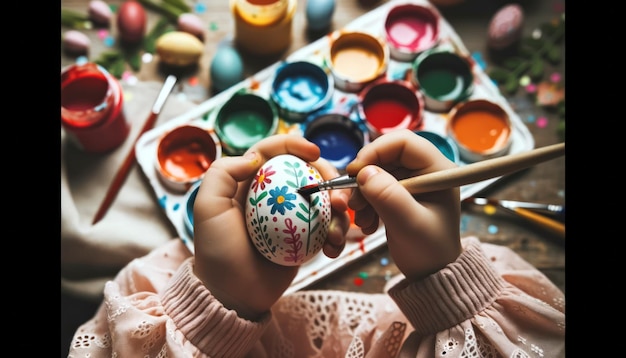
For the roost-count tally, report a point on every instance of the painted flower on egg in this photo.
(286, 227)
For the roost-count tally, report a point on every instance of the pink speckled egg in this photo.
(192, 24)
(100, 12)
(76, 42)
(286, 227)
(505, 27)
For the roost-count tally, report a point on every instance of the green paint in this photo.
(244, 128)
(442, 84)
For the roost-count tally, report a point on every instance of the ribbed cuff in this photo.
(205, 322)
(450, 296)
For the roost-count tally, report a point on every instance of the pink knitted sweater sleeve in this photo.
(488, 301)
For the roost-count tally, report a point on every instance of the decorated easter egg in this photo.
(226, 68)
(505, 27)
(192, 24)
(76, 42)
(286, 227)
(131, 21)
(100, 12)
(319, 14)
(179, 48)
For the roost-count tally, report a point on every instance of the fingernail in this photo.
(367, 173)
(252, 157)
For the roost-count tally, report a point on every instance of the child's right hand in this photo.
(423, 231)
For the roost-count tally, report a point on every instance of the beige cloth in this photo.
(134, 224)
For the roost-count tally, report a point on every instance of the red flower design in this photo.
(262, 178)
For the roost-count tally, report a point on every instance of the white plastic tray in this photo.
(173, 203)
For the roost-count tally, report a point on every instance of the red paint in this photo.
(92, 108)
(387, 114)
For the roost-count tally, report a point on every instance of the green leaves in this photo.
(117, 60)
(75, 20)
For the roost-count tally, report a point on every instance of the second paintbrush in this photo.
(455, 177)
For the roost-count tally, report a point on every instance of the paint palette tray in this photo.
(174, 204)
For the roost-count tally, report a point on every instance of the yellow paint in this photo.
(356, 63)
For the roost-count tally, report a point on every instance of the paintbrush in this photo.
(527, 211)
(127, 165)
(455, 177)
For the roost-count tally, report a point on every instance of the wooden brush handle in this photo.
(478, 171)
(553, 226)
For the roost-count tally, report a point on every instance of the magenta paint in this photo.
(338, 137)
(92, 110)
(411, 29)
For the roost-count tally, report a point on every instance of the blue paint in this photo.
(338, 138)
(300, 93)
(338, 146)
(445, 146)
(188, 215)
(300, 88)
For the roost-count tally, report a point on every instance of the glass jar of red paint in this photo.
(92, 112)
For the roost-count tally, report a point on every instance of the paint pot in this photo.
(356, 59)
(388, 105)
(444, 78)
(244, 119)
(189, 200)
(411, 29)
(481, 130)
(92, 110)
(300, 88)
(261, 12)
(338, 136)
(445, 145)
(184, 154)
(263, 27)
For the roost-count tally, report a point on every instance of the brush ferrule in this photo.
(342, 182)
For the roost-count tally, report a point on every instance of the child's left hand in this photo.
(226, 261)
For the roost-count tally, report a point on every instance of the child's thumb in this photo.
(386, 195)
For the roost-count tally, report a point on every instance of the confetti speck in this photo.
(147, 57)
(542, 122)
(555, 77)
(492, 229)
(524, 81)
(358, 281)
(363, 274)
(199, 8)
(102, 34)
(109, 41)
(530, 118)
(384, 261)
(531, 88)
(489, 209)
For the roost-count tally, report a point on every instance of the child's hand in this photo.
(423, 231)
(226, 261)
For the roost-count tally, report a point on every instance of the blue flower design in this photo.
(280, 200)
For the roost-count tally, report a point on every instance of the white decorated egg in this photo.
(286, 227)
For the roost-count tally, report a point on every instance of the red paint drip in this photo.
(362, 245)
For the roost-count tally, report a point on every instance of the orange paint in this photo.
(356, 63)
(188, 160)
(481, 130)
(184, 154)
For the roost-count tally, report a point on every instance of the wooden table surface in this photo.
(544, 183)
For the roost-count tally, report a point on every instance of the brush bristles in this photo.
(307, 190)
